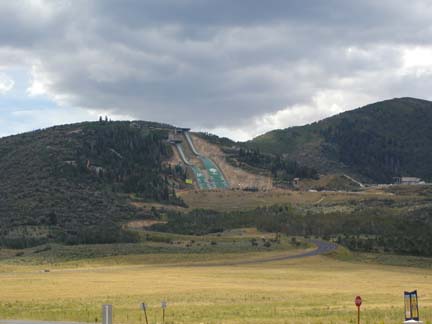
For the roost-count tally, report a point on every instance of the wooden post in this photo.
(358, 315)
(144, 308)
(145, 315)
(358, 302)
(164, 306)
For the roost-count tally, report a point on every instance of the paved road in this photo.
(322, 247)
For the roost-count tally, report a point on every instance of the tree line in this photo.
(374, 229)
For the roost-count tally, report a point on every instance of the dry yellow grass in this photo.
(239, 200)
(311, 290)
(230, 200)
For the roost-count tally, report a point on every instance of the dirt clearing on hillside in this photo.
(139, 224)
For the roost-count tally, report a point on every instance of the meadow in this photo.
(195, 275)
(317, 200)
(317, 289)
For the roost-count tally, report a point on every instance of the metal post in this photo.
(164, 306)
(358, 302)
(107, 314)
(358, 315)
(145, 314)
(144, 308)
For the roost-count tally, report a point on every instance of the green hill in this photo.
(376, 142)
(77, 183)
(73, 183)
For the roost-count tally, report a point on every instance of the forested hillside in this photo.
(386, 226)
(75, 183)
(377, 142)
(281, 168)
(72, 183)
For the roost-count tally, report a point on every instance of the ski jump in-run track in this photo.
(209, 178)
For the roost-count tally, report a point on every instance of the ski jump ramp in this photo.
(200, 178)
(207, 174)
(182, 155)
(216, 178)
(190, 142)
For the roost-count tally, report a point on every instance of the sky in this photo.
(233, 68)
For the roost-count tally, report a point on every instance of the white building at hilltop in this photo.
(409, 180)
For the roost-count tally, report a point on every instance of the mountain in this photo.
(79, 183)
(73, 183)
(375, 143)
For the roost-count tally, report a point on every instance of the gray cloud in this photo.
(219, 64)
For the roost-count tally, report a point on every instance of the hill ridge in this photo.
(378, 141)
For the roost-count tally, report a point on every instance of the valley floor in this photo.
(318, 289)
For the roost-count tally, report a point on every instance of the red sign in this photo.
(358, 301)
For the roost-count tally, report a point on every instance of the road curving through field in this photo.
(322, 247)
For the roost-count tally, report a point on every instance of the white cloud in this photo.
(6, 83)
(324, 104)
(38, 85)
(237, 74)
(417, 60)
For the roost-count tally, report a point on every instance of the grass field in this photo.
(241, 200)
(155, 248)
(311, 290)
(193, 273)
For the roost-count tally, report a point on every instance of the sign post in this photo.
(411, 307)
(144, 308)
(107, 314)
(164, 306)
(358, 302)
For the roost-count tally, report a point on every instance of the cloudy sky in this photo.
(235, 68)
